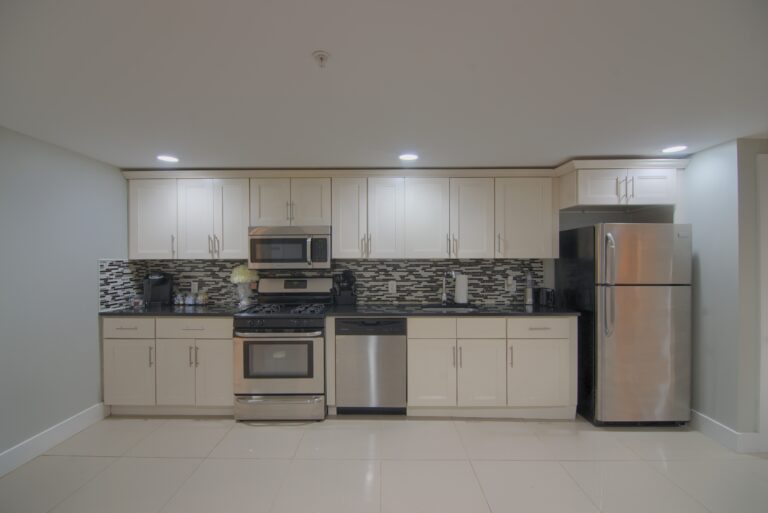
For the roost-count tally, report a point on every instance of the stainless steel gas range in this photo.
(280, 351)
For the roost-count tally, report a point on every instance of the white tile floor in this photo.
(387, 466)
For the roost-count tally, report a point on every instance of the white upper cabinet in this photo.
(230, 218)
(651, 186)
(310, 201)
(472, 218)
(349, 217)
(619, 182)
(152, 219)
(213, 218)
(386, 218)
(290, 201)
(270, 201)
(195, 199)
(526, 226)
(427, 209)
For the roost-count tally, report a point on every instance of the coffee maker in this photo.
(158, 289)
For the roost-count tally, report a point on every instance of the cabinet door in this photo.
(427, 218)
(482, 377)
(230, 218)
(175, 371)
(195, 218)
(311, 201)
(472, 217)
(270, 201)
(525, 220)
(386, 217)
(652, 186)
(152, 219)
(602, 186)
(213, 377)
(349, 217)
(129, 372)
(538, 373)
(431, 372)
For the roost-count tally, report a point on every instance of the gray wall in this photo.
(59, 213)
(724, 384)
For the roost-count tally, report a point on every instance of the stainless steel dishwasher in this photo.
(371, 362)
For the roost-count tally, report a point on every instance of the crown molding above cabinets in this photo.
(132, 174)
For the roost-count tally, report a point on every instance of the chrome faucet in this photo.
(444, 297)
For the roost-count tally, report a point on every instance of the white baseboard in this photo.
(171, 411)
(727, 437)
(35, 446)
(543, 413)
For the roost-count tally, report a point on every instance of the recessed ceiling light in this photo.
(674, 149)
(167, 158)
(408, 156)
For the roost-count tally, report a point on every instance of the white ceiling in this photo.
(231, 83)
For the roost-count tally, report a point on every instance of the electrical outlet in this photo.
(193, 287)
(510, 285)
(392, 286)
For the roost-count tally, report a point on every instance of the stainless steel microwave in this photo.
(289, 247)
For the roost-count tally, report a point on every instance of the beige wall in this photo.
(59, 213)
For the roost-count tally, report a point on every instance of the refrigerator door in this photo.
(643, 354)
(643, 254)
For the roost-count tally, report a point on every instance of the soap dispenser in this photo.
(528, 289)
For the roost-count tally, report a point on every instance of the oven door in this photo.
(279, 363)
(289, 252)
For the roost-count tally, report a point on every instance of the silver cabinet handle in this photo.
(190, 356)
(461, 357)
(127, 328)
(192, 329)
(197, 362)
(539, 328)
(448, 243)
(454, 357)
(173, 246)
(370, 244)
(498, 242)
(633, 187)
(511, 356)
(150, 356)
(210, 245)
(455, 247)
(217, 245)
(361, 245)
(288, 210)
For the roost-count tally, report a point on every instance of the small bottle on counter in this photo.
(528, 289)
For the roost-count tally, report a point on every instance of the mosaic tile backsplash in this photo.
(418, 281)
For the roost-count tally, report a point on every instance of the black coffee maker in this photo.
(158, 289)
(344, 288)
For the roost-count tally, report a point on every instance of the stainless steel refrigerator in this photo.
(632, 285)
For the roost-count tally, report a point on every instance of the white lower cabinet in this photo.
(539, 372)
(129, 371)
(168, 371)
(432, 372)
(482, 373)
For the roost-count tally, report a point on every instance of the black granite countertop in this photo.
(174, 310)
(362, 310)
(411, 310)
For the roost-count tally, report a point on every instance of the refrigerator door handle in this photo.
(609, 310)
(610, 245)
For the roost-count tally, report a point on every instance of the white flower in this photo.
(241, 274)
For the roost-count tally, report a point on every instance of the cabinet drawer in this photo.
(194, 327)
(129, 327)
(432, 327)
(481, 327)
(538, 327)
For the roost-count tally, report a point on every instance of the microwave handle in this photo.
(309, 251)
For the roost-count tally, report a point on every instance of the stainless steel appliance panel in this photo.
(289, 247)
(282, 363)
(651, 254)
(371, 371)
(294, 407)
(643, 353)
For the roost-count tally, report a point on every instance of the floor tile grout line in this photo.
(97, 474)
(219, 442)
(480, 485)
(670, 480)
(181, 485)
(581, 488)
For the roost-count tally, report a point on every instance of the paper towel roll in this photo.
(460, 296)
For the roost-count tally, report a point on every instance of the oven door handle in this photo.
(309, 251)
(312, 334)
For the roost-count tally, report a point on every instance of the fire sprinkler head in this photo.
(321, 56)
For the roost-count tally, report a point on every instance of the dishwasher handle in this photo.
(371, 326)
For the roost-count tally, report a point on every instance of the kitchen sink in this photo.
(449, 309)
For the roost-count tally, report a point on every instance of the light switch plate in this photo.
(510, 285)
(193, 287)
(392, 286)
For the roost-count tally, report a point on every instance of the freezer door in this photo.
(650, 254)
(643, 353)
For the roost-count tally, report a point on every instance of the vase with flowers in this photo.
(243, 278)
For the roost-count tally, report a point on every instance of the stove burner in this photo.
(309, 309)
(265, 309)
